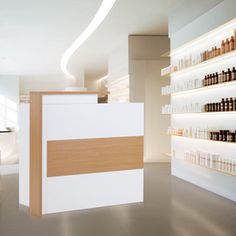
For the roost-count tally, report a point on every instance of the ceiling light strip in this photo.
(101, 14)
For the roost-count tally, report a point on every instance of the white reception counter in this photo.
(77, 154)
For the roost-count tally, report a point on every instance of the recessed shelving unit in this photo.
(216, 180)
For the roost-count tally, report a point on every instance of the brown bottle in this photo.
(229, 75)
(204, 56)
(213, 52)
(227, 48)
(225, 135)
(221, 133)
(234, 105)
(204, 81)
(231, 43)
(216, 52)
(220, 78)
(222, 50)
(223, 76)
(231, 104)
(233, 74)
(213, 79)
(215, 107)
(211, 107)
(210, 79)
(216, 78)
(222, 107)
(227, 104)
(207, 80)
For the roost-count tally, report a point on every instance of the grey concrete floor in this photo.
(171, 207)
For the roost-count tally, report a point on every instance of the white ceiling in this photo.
(34, 34)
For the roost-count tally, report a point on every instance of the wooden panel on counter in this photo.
(71, 157)
(35, 154)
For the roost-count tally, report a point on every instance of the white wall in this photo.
(145, 64)
(118, 74)
(118, 61)
(201, 23)
(188, 11)
(147, 85)
(42, 83)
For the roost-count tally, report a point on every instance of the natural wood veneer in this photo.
(71, 157)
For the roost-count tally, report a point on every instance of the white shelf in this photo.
(207, 140)
(167, 76)
(205, 167)
(202, 89)
(205, 113)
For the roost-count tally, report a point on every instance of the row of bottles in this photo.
(226, 104)
(181, 86)
(210, 79)
(211, 160)
(223, 135)
(204, 133)
(187, 108)
(191, 132)
(227, 45)
(217, 78)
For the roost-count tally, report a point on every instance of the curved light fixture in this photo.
(101, 14)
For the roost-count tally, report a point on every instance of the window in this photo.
(8, 112)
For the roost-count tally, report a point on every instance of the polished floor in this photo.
(171, 207)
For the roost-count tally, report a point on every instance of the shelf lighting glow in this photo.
(215, 35)
(205, 113)
(101, 14)
(214, 61)
(204, 89)
(200, 139)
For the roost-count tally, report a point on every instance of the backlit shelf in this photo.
(204, 113)
(201, 139)
(205, 167)
(166, 76)
(205, 63)
(202, 89)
